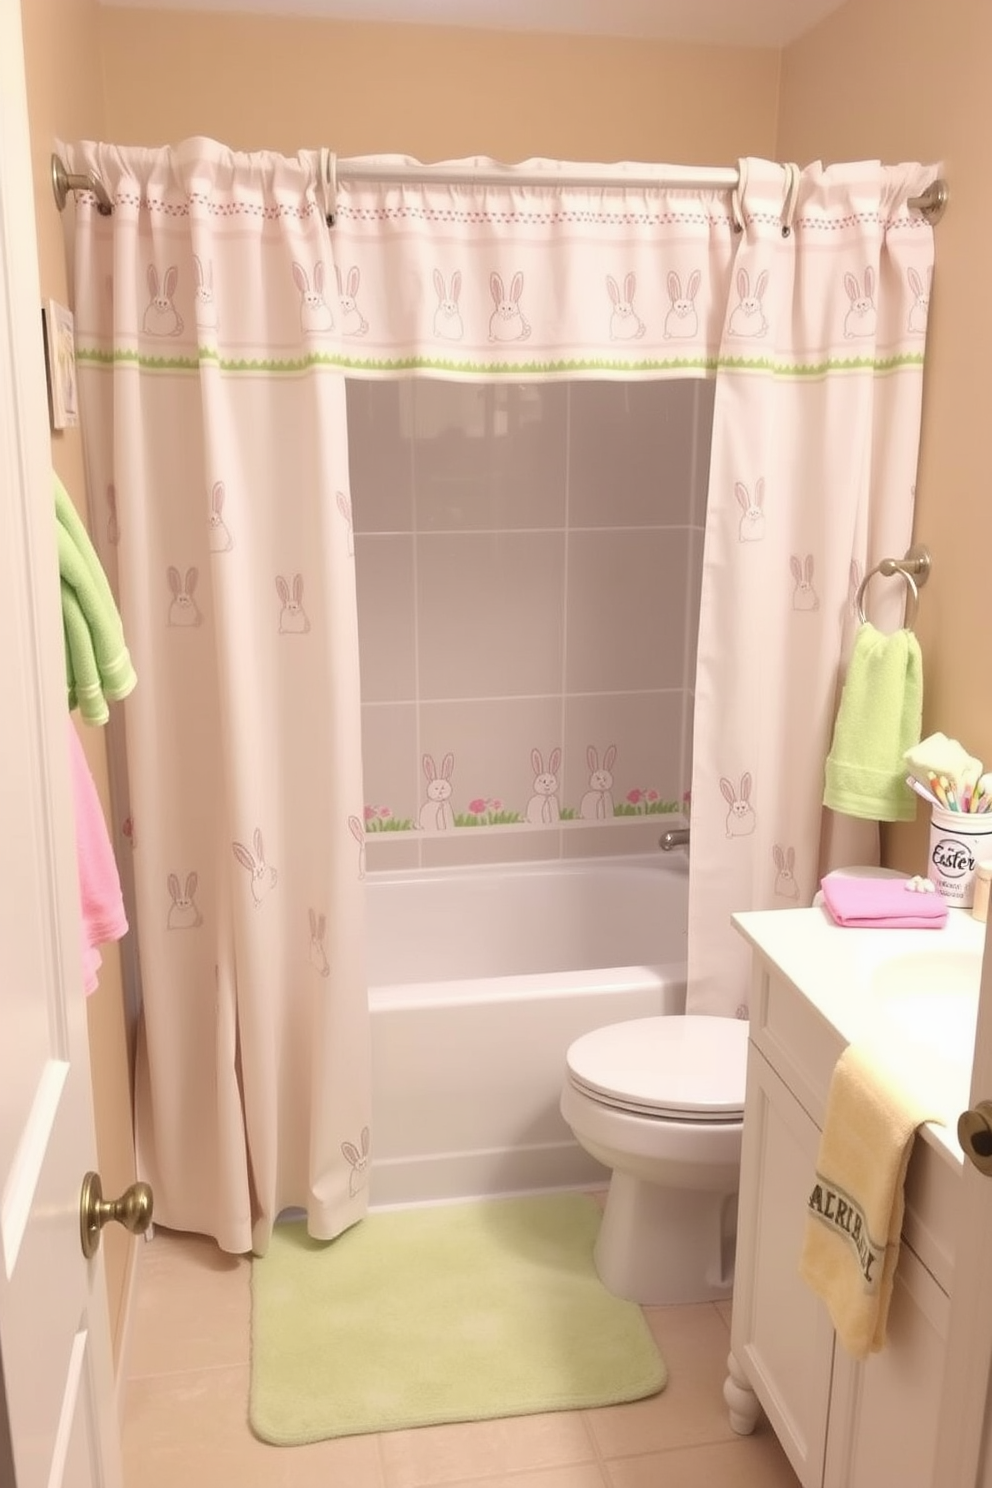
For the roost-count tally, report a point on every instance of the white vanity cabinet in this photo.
(842, 1423)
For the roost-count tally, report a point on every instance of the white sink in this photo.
(932, 997)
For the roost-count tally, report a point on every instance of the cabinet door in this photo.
(781, 1334)
(884, 1411)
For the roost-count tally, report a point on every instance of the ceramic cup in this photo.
(959, 840)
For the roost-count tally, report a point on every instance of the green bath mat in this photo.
(456, 1312)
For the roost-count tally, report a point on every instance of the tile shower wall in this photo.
(528, 562)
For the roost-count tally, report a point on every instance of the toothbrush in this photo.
(921, 790)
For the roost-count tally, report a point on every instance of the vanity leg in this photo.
(742, 1402)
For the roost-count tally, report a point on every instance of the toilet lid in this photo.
(687, 1067)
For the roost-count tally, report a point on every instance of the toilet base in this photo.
(660, 1245)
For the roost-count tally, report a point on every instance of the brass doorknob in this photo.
(975, 1136)
(133, 1210)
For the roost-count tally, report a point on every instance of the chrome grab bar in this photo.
(677, 837)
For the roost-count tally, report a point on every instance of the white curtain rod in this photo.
(483, 172)
(532, 173)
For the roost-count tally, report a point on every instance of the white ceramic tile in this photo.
(384, 575)
(380, 454)
(625, 627)
(489, 614)
(631, 453)
(390, 765)
(490, 457)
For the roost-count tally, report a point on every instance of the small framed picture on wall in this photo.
(60, 362)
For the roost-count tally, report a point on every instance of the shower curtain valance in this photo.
(451, 277)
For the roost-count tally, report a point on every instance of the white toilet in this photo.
(661, 1102)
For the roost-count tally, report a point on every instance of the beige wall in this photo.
(65, 100)
(896, 80)
(255, 82)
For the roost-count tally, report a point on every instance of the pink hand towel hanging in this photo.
(100, 897)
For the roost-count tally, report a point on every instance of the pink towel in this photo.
(99, 884)
(882, 904)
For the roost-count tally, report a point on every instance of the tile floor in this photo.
(187, 1392)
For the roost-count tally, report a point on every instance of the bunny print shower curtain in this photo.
(216, 316)
(217, 462)
(816, 431)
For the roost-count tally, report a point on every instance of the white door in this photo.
(57, 1413)
(964, 1441)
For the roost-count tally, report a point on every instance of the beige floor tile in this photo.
(690, 1410)
(192, 1307)
(587, 1476)
(191, 1431)
(725, 1309)
(452, 1455)
(747, 1462)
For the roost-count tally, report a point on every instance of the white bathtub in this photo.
(479, 980)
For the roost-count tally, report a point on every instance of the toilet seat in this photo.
(676, 1068)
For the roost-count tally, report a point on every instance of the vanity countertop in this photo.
(911, 996)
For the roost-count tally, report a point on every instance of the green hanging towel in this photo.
(879, 718)
(98, 666)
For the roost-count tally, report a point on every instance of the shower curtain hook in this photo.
(737, 196)
(329, 183)
(793, 174)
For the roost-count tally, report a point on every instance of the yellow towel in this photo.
(855, 1209)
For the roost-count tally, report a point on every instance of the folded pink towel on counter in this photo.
(882, 903)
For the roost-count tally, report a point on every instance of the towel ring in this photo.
(914, 568)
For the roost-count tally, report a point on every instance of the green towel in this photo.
(82, 674)
(98, 667)
(879, 718)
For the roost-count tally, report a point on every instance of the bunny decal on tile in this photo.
(357, 829)
(920, 308)
(861, 318)
(436, 814)
(183, 611)
(358, 1161)
(315, 313)
(544, 808)
(785, 878)
(625, 323)
(219, 538)
(804, 596)
(507, 322)
(751, 527)
(318, 954)
(262, 878)
(448, 325)
(353, 322)
(161, 318)
(682, 321)
(183, 912)
(293, 618)
(740, 818)
(748, 316)
(204, 303)
(597, 803)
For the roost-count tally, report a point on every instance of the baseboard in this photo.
(467, 1175)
